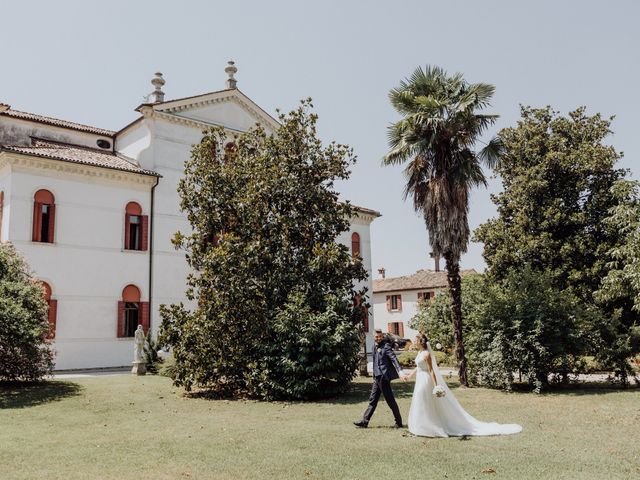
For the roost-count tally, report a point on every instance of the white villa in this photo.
(395, 300)
(93, 211)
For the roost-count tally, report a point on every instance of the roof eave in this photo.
(148, 173)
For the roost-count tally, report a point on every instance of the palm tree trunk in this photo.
(453, 279)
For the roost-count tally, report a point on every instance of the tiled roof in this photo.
(367, 210)
(422, 279)
(78, 154)
(9, 112)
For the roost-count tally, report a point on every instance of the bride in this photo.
(435, 412)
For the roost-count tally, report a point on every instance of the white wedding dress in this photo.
(431, 416)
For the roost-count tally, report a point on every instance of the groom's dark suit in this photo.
(385, 369)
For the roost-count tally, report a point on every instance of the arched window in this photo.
(355, 245)
(53, 309)
(44, 216)
(135, 228)
(132, 312)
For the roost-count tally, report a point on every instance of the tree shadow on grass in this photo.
(30, 394)
(359, 392)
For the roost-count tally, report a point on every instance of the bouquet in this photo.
(438, 391)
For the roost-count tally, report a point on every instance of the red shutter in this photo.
(52, 223)
(126, 231)
(144, 316)
(399, 303)
(390, 327)
(420, 296)
(366, 319)
(1, 212)
(37, 221)
(401, 329)
(145, 229)
(120, 319)
(53, 310)
(388, 303)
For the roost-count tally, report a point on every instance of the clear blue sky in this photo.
(91, 62)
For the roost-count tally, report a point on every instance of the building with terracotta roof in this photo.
(395, 300)
(94, 210)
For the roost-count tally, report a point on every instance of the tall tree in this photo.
(271, 283)
(557, 175)
(436, 136)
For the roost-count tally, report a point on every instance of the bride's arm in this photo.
(431, 372)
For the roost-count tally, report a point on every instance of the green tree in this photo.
(525, 324)
(433, 318)
(436, 136)
(24, 352)
(619, 338)
(265, 220)
(557, 175)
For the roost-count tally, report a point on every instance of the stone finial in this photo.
(158, 83)
(231, 70)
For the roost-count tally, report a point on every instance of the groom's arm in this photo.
(394, 361)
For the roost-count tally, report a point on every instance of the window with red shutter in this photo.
(396, 303)
(134, 227)
(129, 312)
(355, 245)
(44, 217)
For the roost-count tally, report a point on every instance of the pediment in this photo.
(230, 108)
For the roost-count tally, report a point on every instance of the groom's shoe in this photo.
(398, 425)
(361, 424)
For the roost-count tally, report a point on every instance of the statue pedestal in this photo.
(139, 368)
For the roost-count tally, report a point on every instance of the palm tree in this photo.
(436, 136)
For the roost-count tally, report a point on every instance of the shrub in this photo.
(526, 326)
(151, 357)
(168, 367)
(408, 358)
(316, 354)
(24, 352)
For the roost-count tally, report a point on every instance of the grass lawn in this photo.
(127, 427)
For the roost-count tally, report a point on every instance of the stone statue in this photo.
(139, 344)
(139, 365)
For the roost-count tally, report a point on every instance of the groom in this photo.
(385, 369)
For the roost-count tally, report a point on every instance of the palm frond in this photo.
(491, 154)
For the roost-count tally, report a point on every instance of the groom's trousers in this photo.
(382, 386)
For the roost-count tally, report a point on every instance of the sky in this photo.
(91, 62)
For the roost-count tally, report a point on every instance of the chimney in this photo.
(436, 259)
(231, 70)
(381, 272)
(158, 82)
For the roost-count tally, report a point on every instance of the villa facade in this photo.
(93, 211)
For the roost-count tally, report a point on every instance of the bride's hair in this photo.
(423, 340)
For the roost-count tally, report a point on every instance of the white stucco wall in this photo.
(86, 266)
